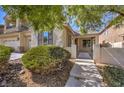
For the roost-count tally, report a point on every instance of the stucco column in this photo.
(17, 24)
(73, 51)
(96, 52)
(73, 40)
(34, 38)
(73, 48)
(22, 40)
(97, 40)
(5, 27)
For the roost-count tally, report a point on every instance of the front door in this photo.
(86, 45)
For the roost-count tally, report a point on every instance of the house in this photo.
(19, 35)
(15, 34)
(113, 36)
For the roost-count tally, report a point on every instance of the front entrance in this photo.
(84, 47)
(84, 55)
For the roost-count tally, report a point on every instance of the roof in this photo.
(87, 35)
(108, 26)
(76, 33)
(70, 29)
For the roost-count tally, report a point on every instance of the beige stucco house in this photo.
(113, 36)
(21, 37)
(15, 35)
(18, 35)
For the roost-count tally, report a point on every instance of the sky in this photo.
(2, 14)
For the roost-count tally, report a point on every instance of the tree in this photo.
(46, 18)
(42, 18)
(89, 17)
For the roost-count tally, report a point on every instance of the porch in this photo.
(84, 45)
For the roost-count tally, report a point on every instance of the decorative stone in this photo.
(1, 79)
(22, 72)
(3, 83)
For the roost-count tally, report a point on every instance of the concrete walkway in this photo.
(15, 56)
(84, 74)
(84, 55)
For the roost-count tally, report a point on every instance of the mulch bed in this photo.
(17, 76)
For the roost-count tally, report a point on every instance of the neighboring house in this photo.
(113, 36)
(15, 35)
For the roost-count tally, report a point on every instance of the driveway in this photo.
(15, 56)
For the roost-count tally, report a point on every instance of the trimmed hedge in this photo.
(5, 53)
(4, 56)
(45, 59)
(113, 76)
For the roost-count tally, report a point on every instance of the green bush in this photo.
(5, 53)
(4, 56)
(113, 76)
(44, 59)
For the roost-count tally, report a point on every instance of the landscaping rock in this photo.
(17, 76)
(22, 72)
(1, 79)
(3, 84)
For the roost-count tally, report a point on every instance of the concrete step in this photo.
(84, 55)
(84, 60)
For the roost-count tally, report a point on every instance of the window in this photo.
(10, 25)
(86, 43)
(45, 38)
(69, 40)
(106, 33)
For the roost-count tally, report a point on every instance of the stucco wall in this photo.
(58, 37)
(34, 38)
(20, 41)
(105, 55)
(113, 34)
(72, 50)
(118, 45)
(11, 42)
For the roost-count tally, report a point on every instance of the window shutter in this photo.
(50, 37)
(40, 39)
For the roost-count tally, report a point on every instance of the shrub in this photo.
(45, 59)
(113, 76)
(5, 53)
(4, 56)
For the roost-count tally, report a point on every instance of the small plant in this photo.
(113, 76)
(45, 59)
(4, 56)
